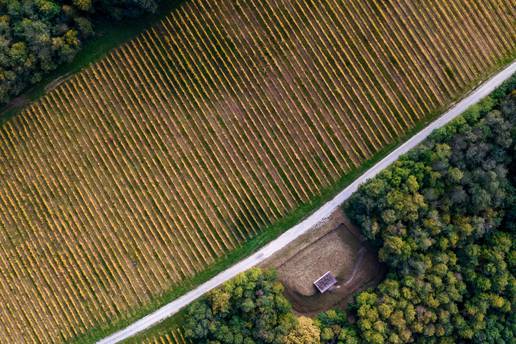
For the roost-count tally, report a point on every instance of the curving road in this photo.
(321, 214)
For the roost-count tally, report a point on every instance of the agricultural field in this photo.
(180, 146)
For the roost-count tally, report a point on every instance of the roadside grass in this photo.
(270, 233)
(109, 34)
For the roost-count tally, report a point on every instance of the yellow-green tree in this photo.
(306, 332)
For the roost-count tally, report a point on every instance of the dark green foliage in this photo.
(248, 309)
(38, 35)
(443, 218)
(335, 328)
(124, 8)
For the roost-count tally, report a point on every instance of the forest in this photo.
(443, 218)
(36, 36)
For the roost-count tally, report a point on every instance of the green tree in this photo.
(250, 308)
(443, 218)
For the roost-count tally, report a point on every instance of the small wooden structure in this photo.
(325, 282)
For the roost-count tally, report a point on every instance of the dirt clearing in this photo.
(335, 246)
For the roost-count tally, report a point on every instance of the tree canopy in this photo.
(248, 309)
(443, 220)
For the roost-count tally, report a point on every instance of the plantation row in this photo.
(173, 336)
(181, 145)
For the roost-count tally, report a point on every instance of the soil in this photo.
(336, 246)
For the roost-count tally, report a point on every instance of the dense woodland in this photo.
(443, 218)
(36, 36)
(250, 308)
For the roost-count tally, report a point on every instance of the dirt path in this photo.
(18, 102)
(361, 254)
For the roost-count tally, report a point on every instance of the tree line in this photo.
(36, 36)
(443, 218)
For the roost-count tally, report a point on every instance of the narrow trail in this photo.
(322, 213)
(361, 254)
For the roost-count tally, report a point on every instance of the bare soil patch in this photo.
(335, 246)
